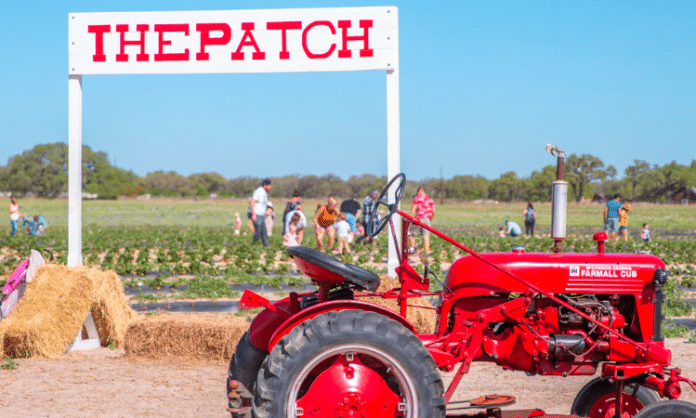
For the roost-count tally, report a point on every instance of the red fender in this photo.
(266, 331)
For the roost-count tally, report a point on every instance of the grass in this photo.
(220, 213)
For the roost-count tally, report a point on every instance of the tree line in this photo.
(43, 171)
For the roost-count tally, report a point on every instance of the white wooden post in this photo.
(393, 142)
(75, 170)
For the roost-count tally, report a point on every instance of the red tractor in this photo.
(327, 354)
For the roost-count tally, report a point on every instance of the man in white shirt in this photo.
(258, 204)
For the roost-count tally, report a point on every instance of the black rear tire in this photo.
(244, 367)
(598, 388)
(380, 347)
(668, 409)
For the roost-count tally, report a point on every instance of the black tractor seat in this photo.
(324, 268)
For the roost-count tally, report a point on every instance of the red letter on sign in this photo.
(161, 56)
(99, 31)
(142, 56)
(365, 52)
(304, 39)
(284, 27)
(206, 39)
(247, 27)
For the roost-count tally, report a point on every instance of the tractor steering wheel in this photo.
(398, 194)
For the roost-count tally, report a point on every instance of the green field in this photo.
(220, 213)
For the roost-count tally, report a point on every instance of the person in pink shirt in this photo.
(423, 209)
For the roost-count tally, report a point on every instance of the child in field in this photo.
(645, 233)
(623, 221)
(343, 232)
(290, 237)
(269, 217)
(237, 223)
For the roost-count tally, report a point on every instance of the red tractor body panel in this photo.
(607, 274)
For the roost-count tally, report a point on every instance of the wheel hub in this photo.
(605, 407)
(349, 389)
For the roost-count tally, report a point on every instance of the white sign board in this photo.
(233, 41)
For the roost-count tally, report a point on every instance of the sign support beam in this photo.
(74, 170)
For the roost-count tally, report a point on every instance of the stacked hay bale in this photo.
(421, 312)
(45, 321)
(195, 336)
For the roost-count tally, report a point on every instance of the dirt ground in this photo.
(106, 383)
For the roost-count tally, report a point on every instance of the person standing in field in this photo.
(270, 216)
(623, 221)
(14, 215)
(645, 233)
(351, 207)
(423, 210)
(611, 217)
(292, 204)
(343, 232)
(257, 206)
(324, 219)
(237, 223)
(529, 219)
(369, 206)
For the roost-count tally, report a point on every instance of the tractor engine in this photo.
(520, 329)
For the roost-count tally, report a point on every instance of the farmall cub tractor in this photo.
(326, 354)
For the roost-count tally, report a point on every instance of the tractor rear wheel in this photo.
(668, 409)
(244, 367)
(597, 399)
(349, 363)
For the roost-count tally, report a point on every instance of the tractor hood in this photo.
(554, 273)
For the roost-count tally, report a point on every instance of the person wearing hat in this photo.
(512, 229)
(258, 205)
(623, 221)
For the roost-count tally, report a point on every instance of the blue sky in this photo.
(484, 86)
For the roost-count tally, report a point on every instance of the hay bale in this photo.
(45, 321)
(111, 310)
(420, 311)
(194, 335)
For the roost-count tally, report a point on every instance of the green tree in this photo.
(540, 184)
(159, 182)
(581, 171)
(635, 174)
(508, 187)
(467, 187)
(42, 170)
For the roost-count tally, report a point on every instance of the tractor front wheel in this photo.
(597, 399)
(349, 363)
(668, 409)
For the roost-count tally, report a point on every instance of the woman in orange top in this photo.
(324, 220)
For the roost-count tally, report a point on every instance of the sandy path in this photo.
(104, 383)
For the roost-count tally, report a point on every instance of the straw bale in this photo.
(111, 310)
(423, 319)
(45, 321)
(192, 335)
